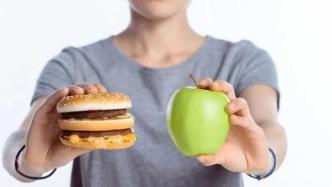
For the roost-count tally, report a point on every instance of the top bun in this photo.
(100, 101)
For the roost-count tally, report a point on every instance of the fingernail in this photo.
(64, 89)
(201, 160)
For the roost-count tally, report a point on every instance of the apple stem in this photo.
(194, 80)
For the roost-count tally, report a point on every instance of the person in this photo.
(150, 60)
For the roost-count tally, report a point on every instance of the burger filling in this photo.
(85, 134)
(115, 136)
(94, 114)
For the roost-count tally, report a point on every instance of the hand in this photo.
(246, 147)
(44, 150)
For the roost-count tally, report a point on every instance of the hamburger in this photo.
(96, 121)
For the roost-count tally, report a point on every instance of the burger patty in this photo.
(93, 114)
(85, 134)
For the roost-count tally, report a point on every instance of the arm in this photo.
(254, 128)
(15, 141)
(262, 102)
(39, 132)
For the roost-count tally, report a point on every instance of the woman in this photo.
(149, 60)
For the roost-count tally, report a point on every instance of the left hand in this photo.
(246, 147)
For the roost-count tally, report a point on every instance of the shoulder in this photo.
(72, 58)
(91, 50)
(240, 53)
(236, 49)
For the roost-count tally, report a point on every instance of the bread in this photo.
(96, 121)
(96, 125)
(101, 101)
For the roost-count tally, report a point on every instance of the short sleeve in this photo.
(56, 74)
(257, 67)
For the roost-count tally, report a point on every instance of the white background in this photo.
(297, 33)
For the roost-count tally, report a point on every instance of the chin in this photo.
(158, 9)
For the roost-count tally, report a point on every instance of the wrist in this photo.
(268, 171)
(26, 166)
(22, 165)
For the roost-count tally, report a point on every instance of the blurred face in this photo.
(158, 9)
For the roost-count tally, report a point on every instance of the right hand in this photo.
(44, 151)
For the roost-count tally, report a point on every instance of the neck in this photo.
(144, 36)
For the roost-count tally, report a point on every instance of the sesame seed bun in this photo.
(82, 113)
(100, 101)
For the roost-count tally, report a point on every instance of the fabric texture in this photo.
(153, 160)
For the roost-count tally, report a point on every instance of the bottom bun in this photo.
(105, 142)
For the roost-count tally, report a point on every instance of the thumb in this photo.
(207, 160)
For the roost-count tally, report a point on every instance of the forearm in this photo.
(12, 145)
(276, 136)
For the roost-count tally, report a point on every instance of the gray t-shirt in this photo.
(153, 160)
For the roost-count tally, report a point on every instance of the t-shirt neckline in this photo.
(182, 65)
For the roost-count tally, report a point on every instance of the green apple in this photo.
(197, 121)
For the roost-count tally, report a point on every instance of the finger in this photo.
(54, 98)
(79, 151)
(101, 88)
(237, 120)
(207, 160)
(204, 83)
(225, 87)
(245, 122)
(76, 90)
(238, 106)
(88, 88)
